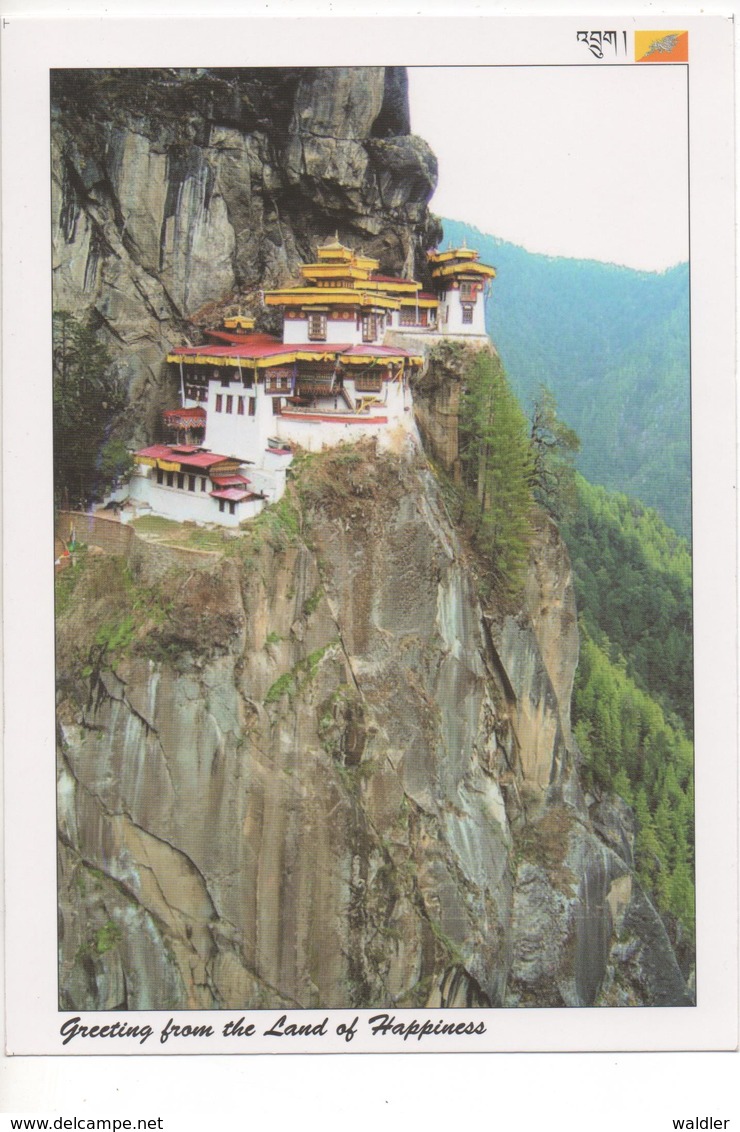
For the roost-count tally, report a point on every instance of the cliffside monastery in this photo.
(339, 373)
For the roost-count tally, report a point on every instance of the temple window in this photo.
(317, 327)
(276, 404)
(277, 383)
(160, 476)
(240, 406)
(229, 404)
(252, 406)
(219, 402)
(180, 480)
(369, 327)
(467, 292)
(170, 479)
(408, 317)
(203, 483)
(191, 483)
(232, 507)
(369, 382)
(467, 312)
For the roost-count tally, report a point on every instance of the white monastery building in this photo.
(330, 379)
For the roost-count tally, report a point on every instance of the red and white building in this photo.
(330, 379)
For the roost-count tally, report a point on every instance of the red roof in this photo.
(156, 452)
(234, 494)
(322, 347)
(191, 459)
(195, 414)
(229, 481)
(377, 352)
(203, 460)
(276, 351)
(268, 349)
(390, 279)
(243, 339)
(237, 350)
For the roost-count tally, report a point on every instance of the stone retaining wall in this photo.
(151, 560)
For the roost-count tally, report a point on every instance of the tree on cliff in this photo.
(86, 396)
(554, 449)
(496, 465)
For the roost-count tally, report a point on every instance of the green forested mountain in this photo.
(633, 586)
(633, 694)
(628, 747)
(613, 346)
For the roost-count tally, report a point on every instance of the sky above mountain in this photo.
(589, 162)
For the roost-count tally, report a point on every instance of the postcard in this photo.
(369, 622)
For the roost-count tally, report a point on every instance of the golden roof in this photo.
(450, 270)
(239, 322)
(333, 271)
(418, 301)
(452, 253)
(328, 296)
(334, 250)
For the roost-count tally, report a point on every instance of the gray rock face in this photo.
(308, 782)
(312, 773)
(176, 190)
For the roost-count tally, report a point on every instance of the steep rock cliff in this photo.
(174, 191)
(314, 774)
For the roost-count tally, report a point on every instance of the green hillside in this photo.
(613, 346)
(633, 586)
(632, 703)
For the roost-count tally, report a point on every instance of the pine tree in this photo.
(554, 449)
(86, 397)
(497, 469)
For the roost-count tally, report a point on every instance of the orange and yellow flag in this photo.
(661, 47)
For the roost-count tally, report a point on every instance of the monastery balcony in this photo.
(373, 414)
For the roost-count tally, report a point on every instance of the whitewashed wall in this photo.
(295, 331)
(186, 506)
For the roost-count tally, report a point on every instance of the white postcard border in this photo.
(30, 48)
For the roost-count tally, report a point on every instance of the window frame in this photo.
(317, 335)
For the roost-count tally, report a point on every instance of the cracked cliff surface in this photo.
(185, 190)
(316, 774)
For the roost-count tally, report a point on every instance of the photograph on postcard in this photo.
(373, 535)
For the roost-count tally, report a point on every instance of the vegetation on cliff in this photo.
(87, 397)
(613, 345)
(634, 591)
(296, 768)
(633, 690)
(629, 748)
(496, 461)
(633, 693)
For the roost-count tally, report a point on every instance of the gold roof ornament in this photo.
(239, 322)
(334, 250)
(458, 261)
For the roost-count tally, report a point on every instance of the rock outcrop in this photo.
(313, 772)
(316, 775)
(177, 194)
